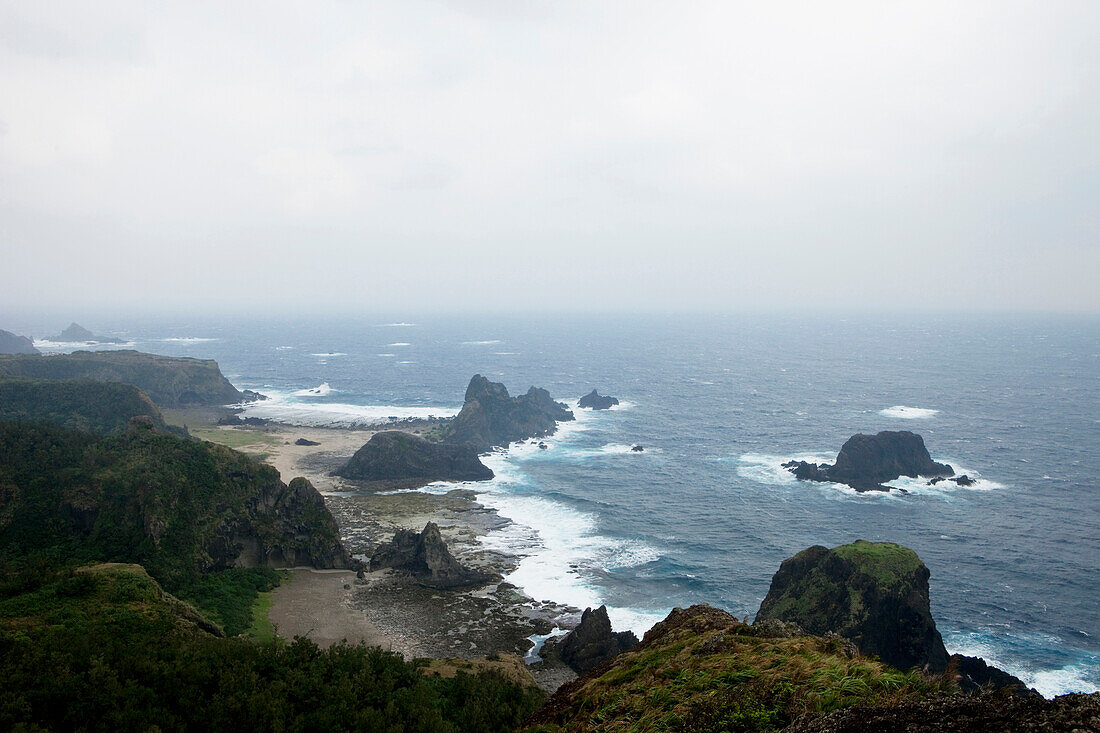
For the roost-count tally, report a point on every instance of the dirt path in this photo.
(315, 604)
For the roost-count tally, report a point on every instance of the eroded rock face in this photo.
(396, 456)
(591, 643)
(424, 556)
(595, 401)
(866, 462)
(490, 417)
(873, 593)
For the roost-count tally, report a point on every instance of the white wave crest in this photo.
(400, 343)
(558, 546)
(1081, 675)
(903, 412)
(396, 325)
(487, 342)
(320, 391)
(330, 353)
(299, 409)
(187, 339)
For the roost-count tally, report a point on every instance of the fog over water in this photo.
(619, 156)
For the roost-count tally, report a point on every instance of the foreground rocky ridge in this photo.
(95, 407)
(170, 381)
(866, 462)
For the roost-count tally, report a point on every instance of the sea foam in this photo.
(903, 412)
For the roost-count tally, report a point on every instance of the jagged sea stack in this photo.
(591, 643)
(596, 401)
(873, 593)
(491, 418)
(425, 557)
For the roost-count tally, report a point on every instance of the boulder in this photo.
(425, 557)
(873, 593)
(490, 417)
(866, 462)
(305, 441)
(396, 456)
(11, 343)
(590, 644)
(595, 401)
(637, 448)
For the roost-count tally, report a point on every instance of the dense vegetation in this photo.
(703, 670)
(170, 381)
(105, 649)
(178, 507)
(95, 407)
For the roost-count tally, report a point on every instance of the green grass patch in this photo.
(236, 438)
(262, 628)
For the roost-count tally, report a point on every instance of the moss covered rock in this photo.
(874, 593)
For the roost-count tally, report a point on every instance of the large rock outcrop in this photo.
(595, 401)
(866, 462)
(490, 417)
(12, 343)
(394, 456)
(590, 644)
(170, 381)
(76, 333)
(873, 593)
(425, 557)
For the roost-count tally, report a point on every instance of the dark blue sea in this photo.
(705, 513)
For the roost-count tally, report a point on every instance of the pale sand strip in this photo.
(315, 604)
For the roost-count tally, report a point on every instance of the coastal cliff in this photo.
(170, 381)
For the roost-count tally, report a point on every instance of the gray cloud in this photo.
(617, 155)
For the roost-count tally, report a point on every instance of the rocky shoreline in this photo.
(409, 618)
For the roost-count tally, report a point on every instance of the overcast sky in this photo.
(575, 155)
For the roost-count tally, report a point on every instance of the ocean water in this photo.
(705, 513)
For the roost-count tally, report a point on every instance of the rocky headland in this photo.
(401, 459)
(866, 462)
(491, 418)
(11, 343)
(595, 401)
(170, 381)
